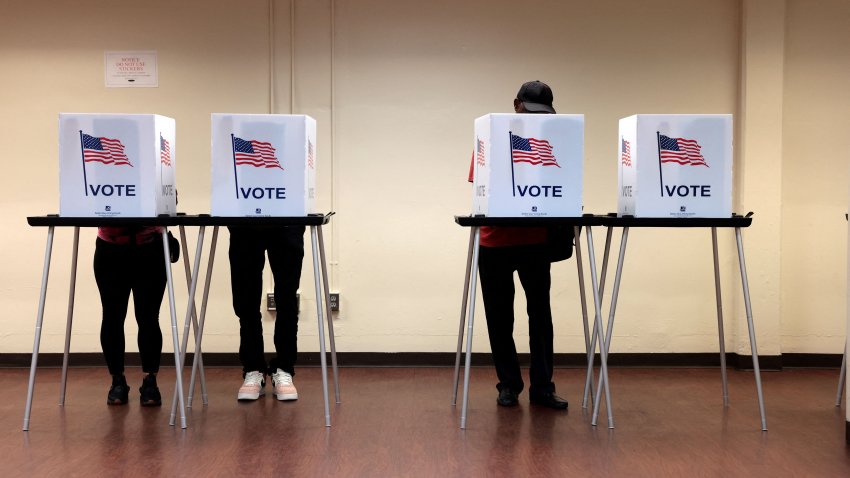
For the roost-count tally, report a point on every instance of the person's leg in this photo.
(285, 247)
(534, 275)
(110, 267)
(149, 280)
(495, 268)
(148, 284)
(247, 259)
(110, 273)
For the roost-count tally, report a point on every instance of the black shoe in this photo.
(118, 392)
(149, 392)
(507, 398)
(549, 400)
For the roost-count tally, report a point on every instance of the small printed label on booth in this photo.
(130, 69)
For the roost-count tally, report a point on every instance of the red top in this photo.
(129, 235)
(503, 236)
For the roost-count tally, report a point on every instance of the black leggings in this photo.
(118, 270)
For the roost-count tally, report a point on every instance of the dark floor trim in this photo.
(447, 359)
(811, 360)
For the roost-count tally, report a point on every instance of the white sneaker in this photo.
(253, 387)
(283, 386)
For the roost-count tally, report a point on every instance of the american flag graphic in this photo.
(626, 152)
(310, 156)
(680, 151)
(533, 151)
(479, 153)
(255, 153)
(104, 150)
(164, 151)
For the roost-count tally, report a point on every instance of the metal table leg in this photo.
(174, 333)
(588, 379)
(463, 314)
(199, 334)
(750, 327)
(69, 322)
(842, 377)
(720, 333)
(327, 296)
(604, 341)
(323, 358)
(190, 311)
(583, 297)
(38, 321)
(473, 286)
(189, 279)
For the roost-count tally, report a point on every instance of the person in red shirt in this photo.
(504, 250)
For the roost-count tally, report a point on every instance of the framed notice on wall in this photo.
(130, 69)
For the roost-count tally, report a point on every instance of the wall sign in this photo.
(130, 69)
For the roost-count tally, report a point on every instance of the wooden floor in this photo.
(399, 422)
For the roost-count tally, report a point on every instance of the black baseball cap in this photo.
(536, 96)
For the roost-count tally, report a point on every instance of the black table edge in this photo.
(178, 220)
(609, 220)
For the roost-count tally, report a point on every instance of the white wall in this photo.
(395, 86)
(815, 168)
(210, 60)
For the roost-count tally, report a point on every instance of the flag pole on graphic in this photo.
(511, 145)
(83, 153)
(660, 175)
(235, 176)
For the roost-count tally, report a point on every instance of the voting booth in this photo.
(528, 165)
(263, 165)
(116, 165)
(675, 166)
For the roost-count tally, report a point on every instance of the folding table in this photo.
(54, 221)
(736, 222)
(315, 222)
(469, 291)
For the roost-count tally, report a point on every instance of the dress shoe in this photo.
(507, 398)
(549, 400)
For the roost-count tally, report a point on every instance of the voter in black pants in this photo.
(248, 248)
(496, 269)
(129, 260)
(503, 251)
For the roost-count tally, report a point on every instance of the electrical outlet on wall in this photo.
(271, 305)
(334, 301)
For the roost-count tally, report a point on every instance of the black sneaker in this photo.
(507, 398)
(149, 392)
(549, 400)
(118, 392)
